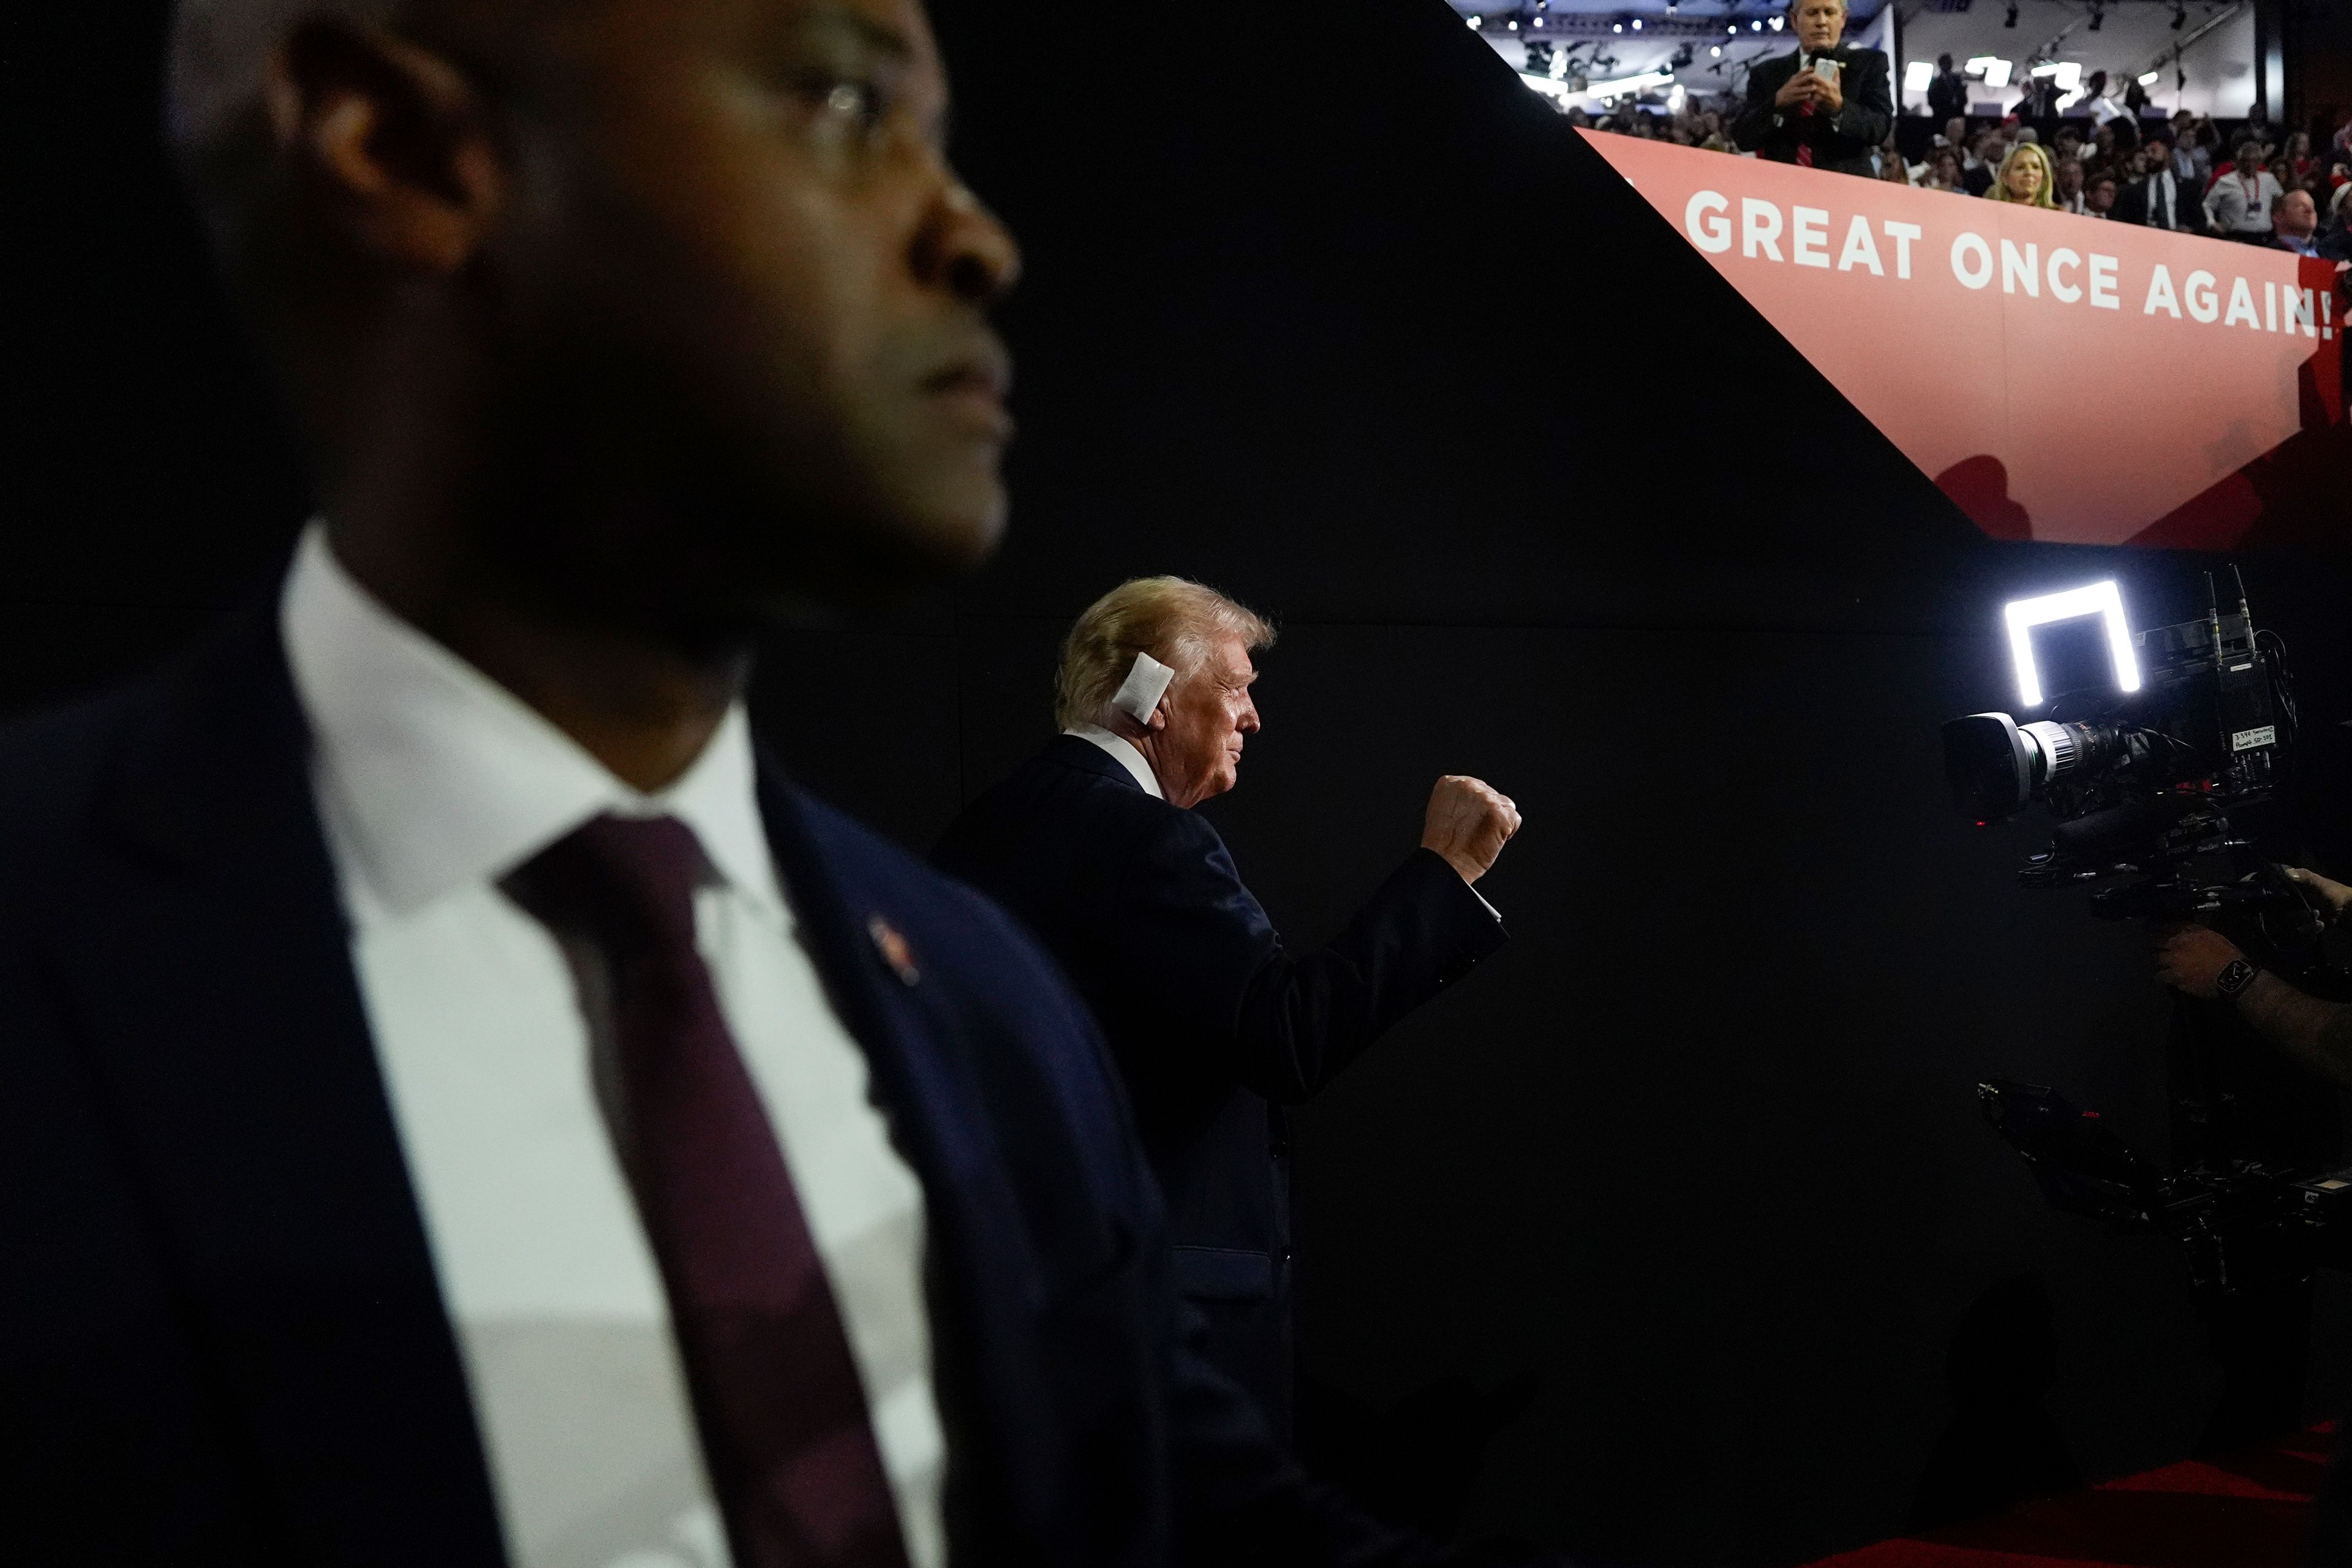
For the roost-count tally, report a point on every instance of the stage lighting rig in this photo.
(1683, 55)
(2098, 15)
(2013, 16)
(1539, 57)
(2180, 16)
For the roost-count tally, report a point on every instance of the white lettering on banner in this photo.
(2065, 294)
(2299, 313)
(1979, 275)
(2204, 304)
(2242, 303)
(2016, 268)
(2103, 283)
(2071, 275)
(1808, 235)
(1860, 248)
(1902, 234)
(1703, 221)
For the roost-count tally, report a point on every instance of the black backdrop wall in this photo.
(1684, 1198)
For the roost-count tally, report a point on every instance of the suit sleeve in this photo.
(1869, 111)
(1209, 962)
(1754, 122)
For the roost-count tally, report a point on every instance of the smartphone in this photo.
(1825, 68)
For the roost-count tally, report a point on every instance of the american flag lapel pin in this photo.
(894, 949)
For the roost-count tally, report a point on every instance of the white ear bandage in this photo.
(1147, 682)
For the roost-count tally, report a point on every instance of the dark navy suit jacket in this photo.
(221, 1338)
(1842, 141)
(1209, 1020)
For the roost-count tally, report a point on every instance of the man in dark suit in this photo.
(461, 1104)
(1825, 106)
(1094, 845)
(1948, 91)
(2155, 198)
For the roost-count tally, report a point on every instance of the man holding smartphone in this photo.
(1825, 106)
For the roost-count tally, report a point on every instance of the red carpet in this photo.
(2251, 1511)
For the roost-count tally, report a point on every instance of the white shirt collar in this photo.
(1123, 753)
(434, 777)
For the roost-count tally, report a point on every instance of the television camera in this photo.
(2160, 785)
(2156, 784)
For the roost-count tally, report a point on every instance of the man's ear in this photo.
(1158, 719)
(390, 139)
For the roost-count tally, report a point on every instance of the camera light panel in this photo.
(2101, 599)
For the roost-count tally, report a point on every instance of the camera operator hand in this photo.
(1468, 823)
(2204, 963)
(2335, 895)
(2190, 960)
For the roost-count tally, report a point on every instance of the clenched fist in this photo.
(1468, 823)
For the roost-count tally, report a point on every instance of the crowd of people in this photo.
(2188, 173)
(1828, 105)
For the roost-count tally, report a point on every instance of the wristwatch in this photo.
(2235, 977)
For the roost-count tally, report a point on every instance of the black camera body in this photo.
(2156, 795)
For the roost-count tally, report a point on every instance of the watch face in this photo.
(2235, 977)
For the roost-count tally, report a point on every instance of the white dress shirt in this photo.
(1124, 753)
(434, 783)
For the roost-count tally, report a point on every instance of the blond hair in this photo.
(1173, 619)
(2046, 194)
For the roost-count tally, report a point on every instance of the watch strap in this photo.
(2235, 977)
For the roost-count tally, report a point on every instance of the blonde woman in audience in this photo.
(2025, 177)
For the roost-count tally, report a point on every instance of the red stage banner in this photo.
(2060, 377)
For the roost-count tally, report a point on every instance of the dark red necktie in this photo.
(777, 1397)
(1804, 148)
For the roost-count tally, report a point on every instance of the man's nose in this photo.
(1247, 723)
(964, 247)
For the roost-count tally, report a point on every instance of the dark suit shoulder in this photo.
(55, 764)
(1006, 993)
(1070, 788)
